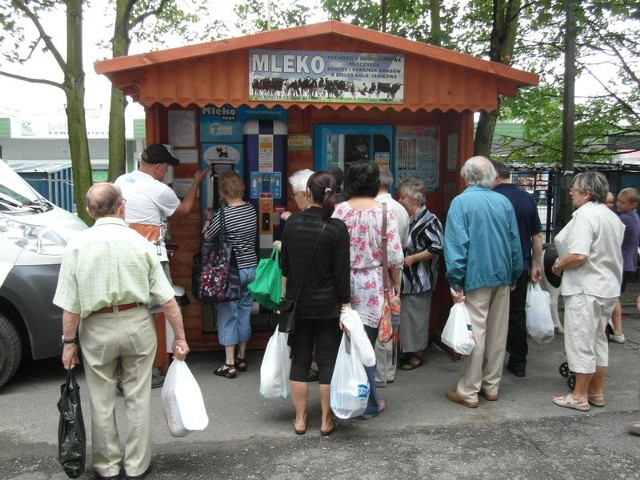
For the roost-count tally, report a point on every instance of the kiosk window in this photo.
(341, 145)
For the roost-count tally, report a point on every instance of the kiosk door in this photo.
(341, 145)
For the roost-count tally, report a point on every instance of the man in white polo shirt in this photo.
(150, 202)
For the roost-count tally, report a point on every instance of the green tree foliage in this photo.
(24, 36)
(148, 22)
(608, 65)
(428, 21)
(530, 35)
(252, 15)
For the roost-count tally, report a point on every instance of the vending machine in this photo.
(265, 147)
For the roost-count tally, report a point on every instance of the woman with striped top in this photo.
(420, 271)
(241, 227)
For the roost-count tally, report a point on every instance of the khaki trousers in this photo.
(108, 340)
(489, 314)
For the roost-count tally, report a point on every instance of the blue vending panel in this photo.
(265, 150)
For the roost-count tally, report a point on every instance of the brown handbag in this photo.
(385, 328)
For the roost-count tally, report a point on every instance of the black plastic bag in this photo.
(72, 439)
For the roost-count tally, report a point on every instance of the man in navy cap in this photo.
(150, 202)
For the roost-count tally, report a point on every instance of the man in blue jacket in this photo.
(483, 259)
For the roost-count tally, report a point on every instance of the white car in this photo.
(33, 235)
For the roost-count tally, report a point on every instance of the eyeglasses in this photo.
(574, 189)
(293, 194)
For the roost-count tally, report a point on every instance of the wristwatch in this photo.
(68, 341)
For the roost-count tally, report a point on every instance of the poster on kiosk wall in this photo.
(417, 154)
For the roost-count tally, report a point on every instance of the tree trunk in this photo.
(76, 119)
(117, 130)
(436, 23)
(117, 135)
(503, 38)
(484, 133)
(565, 211)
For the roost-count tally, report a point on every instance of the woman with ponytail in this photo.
(315, 254)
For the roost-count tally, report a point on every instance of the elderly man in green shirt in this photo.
(108, 277)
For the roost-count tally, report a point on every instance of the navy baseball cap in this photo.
(158, 153)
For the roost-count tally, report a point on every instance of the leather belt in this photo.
(118, 308)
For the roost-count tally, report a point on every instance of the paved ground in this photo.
(420, 435)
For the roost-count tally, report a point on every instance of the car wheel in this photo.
(10, 350)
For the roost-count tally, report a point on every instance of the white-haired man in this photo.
(483, 259)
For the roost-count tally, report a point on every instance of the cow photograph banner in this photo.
(314, 76)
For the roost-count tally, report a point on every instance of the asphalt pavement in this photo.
(421, 434)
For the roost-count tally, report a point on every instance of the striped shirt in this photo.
(425, 233)
(241, 227)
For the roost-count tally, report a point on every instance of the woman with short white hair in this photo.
(298, 182)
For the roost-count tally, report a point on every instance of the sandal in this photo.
(301, 431)
(241, 364)
(596, 399)
(412, 363)
(326, 433)
(226, 370)
(569, 402)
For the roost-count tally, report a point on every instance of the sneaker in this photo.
(617, 338)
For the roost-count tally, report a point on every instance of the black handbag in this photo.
(288, 308)
(72, 440)
(287, 317)
(215, 270)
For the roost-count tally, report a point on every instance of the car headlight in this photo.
(35, 238)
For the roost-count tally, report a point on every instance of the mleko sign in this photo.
(313, 76)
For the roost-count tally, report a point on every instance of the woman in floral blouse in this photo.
(363, 216)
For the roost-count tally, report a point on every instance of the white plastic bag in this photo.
(276, 363)
(182, 401)
(349, 383)
(538, 312)
(457, 332)
(351, 319)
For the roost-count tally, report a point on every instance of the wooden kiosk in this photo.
(327, 86)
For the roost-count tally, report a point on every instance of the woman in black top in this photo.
(325, 279)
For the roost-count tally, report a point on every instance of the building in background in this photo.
(38, 138)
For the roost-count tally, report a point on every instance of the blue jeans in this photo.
(234, 318)
(373, 405)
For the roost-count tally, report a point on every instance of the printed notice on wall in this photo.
(186, 156)
(417, 154)
(452, 152)
(181, 186)
(182, 128)
(265, 153)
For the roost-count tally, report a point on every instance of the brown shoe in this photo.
(452, 394)
(488, 397)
